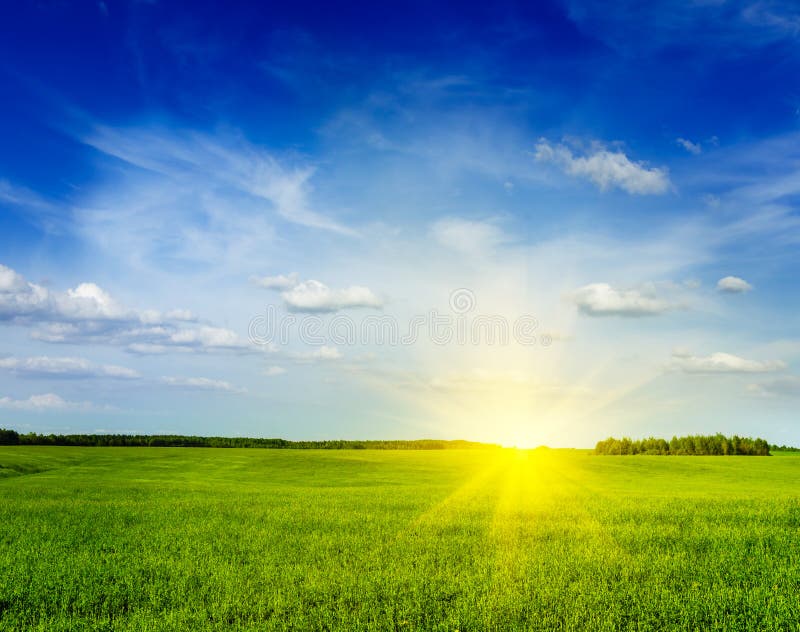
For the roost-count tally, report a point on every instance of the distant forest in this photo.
(698, 445)
(11, 437)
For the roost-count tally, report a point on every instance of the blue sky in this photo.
(619, 180)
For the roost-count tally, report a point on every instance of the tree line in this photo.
(698, 445)
(11, 437)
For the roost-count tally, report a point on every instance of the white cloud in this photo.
(467, 236)
(272, 371)
(90, 302)
(722, 363)
(184, 315)
(206, 337)
(41, 403)
(322, 353)
(601, 299)
(327, 353)
(10, 281)
(733, 285)
(313, 296)
(20, 299)
(201, 383)
(119, 372)
(606, 168)
(692, 148)
(44, 366)
(145, 348)
(88, 313)
(146, 340)
(278, 282)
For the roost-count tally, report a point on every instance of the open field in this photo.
(202, 539)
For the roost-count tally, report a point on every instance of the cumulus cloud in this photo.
(90, 302)
(313, 296)
(722, 363)
(467, 236)
(601, 299)
(201, 383)
(41, 403)
(21, 300)
(692, 148)
(88, 313)
(10, 281)
(278, 282)
(606, 168)
(206, 337)
(44, 366)
(273, 371)
(733, 285)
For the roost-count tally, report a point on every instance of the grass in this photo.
(213, 539)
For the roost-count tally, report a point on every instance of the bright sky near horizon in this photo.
(525, 224)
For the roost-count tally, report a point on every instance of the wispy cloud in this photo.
(42, 403)
(37, 209)
(780, 17)
(277, 282)
(195, 169)
(788, 386)
(66, 367)
(468, 236)
(722, 363)
(202, 384)
(692, 148)
(734, 25)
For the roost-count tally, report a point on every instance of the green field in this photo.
(216, 539)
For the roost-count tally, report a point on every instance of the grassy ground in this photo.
(205, 539)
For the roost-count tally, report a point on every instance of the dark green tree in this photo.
(8, 437)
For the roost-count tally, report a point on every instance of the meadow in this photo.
(248, 539)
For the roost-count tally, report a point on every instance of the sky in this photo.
(525, 223)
